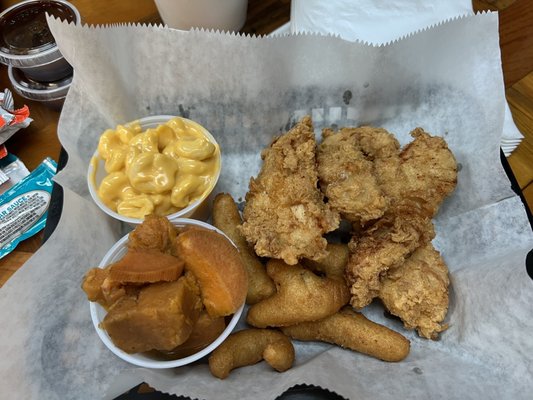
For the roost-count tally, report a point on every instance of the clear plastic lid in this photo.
(25, 39)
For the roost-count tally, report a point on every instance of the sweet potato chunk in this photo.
(161, 318)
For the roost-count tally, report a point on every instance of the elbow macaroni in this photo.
(160, 170)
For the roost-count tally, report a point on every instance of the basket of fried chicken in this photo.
(305, 287)
(326, 228)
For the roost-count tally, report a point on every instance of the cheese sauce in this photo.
(160, 170)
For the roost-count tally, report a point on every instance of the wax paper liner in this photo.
(365, 20)
(245, 90)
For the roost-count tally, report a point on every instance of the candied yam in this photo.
(147, 266)
(99, 287)
(161, 317)
(204, 332)
(92, 283)
(112, 292)
(155, 233)
(217, 266)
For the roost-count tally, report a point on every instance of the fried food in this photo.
(347, 178)
(161, 317)
(285, 215)
(204, 332)
(146, 266)
(217, 266)
(382, 247)
(417, 292)
(250, 346)
(155, 233)
(352, 330)
(301, 296)
(423, 174)
(377, 143)
(226, 217)
(334, 264)
(416, 181)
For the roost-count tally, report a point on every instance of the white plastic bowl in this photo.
(197, 209)
(98, 313)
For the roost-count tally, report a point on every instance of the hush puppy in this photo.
(250, 346)
(301, 296)
(352, 330)
(226, 217)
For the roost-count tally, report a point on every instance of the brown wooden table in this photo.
(40, 140)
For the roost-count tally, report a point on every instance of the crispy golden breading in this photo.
(301, 296)
(354, 331)
(416, 181)
(424, 173)
(250, 346)
(384, 246)
(347, 178)
(226, 217)
(389, 196)
(285, 215)
(334, 264)
(377, 143)
(417, 292)
(155, 233)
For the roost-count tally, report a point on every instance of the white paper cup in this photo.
(226, 15)
(198, 209)
(98, 313)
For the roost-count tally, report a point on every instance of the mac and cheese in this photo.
(160, 170)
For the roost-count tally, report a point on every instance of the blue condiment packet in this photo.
(24, 207)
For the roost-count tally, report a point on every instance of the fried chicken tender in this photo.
(416, 180)
(346, 175)
(352, 330)
(417, 292)
(301, 296)
(424, 173)
(382, 247)
(226, 217)
(377, 143)
(285, 215)
(250, 346)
